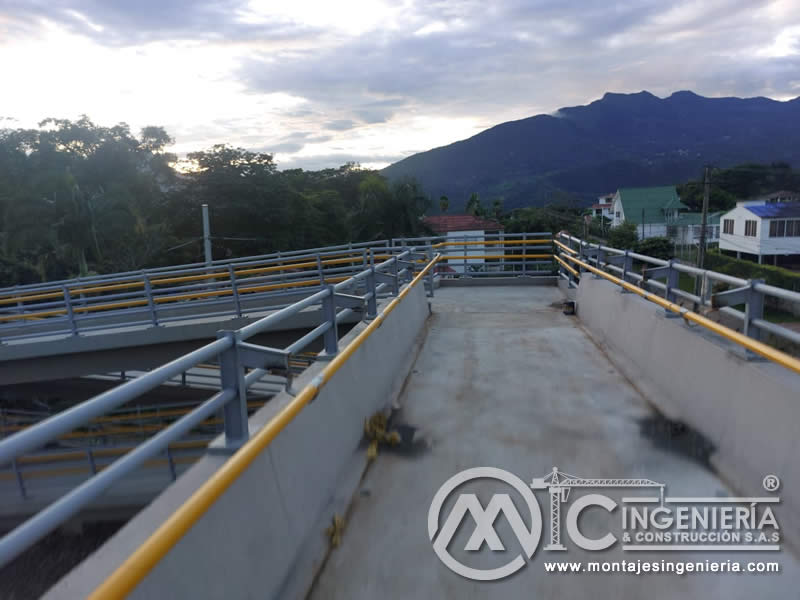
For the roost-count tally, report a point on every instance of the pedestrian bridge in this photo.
(315, 495)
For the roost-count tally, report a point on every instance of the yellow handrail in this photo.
(173, 298)
(755, 346)
(506, 257)
(136, 567)
(564, 264)
(564, 247)
(494, 242)
(332, 260)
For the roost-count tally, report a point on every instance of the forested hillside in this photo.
(621, 140)
(77, 198)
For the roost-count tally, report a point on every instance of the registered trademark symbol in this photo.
(771, 483)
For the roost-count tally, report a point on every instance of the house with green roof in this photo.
(659, 212)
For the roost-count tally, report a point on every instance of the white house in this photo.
(463, 228)
(604, 206)
(766, 229)
(651, 209)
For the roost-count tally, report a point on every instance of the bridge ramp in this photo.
(506, 380)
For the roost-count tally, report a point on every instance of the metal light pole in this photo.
(206, 235)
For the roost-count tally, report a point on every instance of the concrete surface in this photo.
(504, 379)
(247, 544)
(748, 409)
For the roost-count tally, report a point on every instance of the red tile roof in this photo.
(446, 223)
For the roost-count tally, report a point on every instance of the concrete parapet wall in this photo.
(749, 410)
(248, 545)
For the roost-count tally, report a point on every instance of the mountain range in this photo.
(621, 140)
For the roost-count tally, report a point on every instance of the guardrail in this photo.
(153, 297)
(578, 256)
(142, 561)
(241, 363)
(156, 297)
(492, 254)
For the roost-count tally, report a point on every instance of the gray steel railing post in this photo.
(171, 464)
(235, 291)
(232, 377)
(331, 336)
(600, 259)
(673, 277)
(70, 313)
(148, 291)
(319, 270)
(396, 278)
(753, 309)
(430, 271)
(90, 458)
(524, 254)
(581, 256)
(466, 254)
(372, 300)
(627, 265)
(20, 481)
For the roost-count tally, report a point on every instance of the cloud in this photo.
(361, 77)
(340, 125)
(124, 23)
(336, 159)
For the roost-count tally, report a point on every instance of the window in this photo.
(727, 226)
(617, 213)
(750, 228)
(781, 228)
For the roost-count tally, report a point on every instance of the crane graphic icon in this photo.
(559, 484)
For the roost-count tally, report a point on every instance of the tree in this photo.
(657, 247)
(623, 236)
(474, 206)
(444, 204)
(497, 208)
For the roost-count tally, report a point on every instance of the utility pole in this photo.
(701, 253)
(206, 235)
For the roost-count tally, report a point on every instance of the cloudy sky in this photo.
(322, 82)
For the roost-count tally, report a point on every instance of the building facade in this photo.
(463, 228)
(764, 230)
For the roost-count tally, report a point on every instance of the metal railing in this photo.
(491, 255)
(154, 297)
(578, 256)
(241, 362)
(147, 556)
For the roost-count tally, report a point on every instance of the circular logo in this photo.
(771, 483)
(484, 522)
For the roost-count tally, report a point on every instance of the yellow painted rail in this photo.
(506, 257)
(335, 259)
(754, 346)
(564, 264)
(141, 562)
(494, 243)
(565, 248)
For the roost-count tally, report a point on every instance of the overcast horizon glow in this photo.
(321, 83)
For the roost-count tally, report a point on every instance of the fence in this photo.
(242, 364)
(577, 256)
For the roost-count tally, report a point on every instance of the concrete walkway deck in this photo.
(504, 379)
